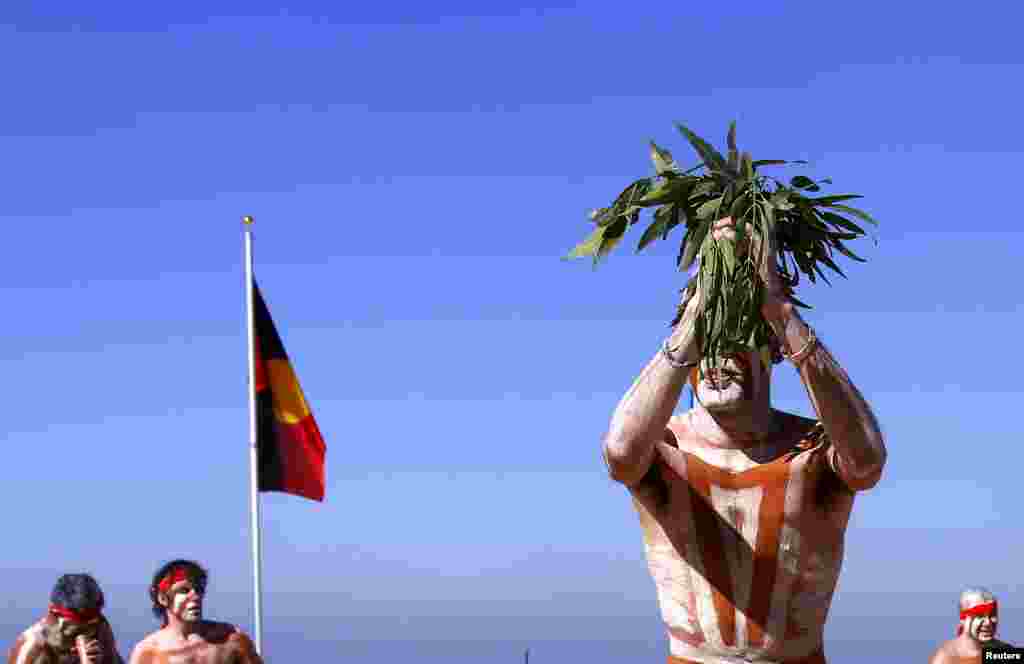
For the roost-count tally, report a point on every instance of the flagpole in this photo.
(253, 444)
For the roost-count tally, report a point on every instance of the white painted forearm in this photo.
(644, 412)
(842, 410)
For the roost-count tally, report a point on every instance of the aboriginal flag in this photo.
(291, 449)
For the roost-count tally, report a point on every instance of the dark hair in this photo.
(77, 592)
(196, 574)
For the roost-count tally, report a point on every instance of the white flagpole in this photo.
(253, 449)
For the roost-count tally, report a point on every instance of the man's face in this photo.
(733, 382)
(184, 600)
(981, 627)
(64, 631)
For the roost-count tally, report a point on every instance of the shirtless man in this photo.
(73, 630)
(177, 593)
(979, 618)
(744, 508)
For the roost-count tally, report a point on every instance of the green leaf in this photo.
(746, 167)
(589, 246)
(821, 274)
(730, 141)
(841, 222)
(662, 158)
(829, 262)
(710, 156)
(709, 208)
(667, 191)
(728, 250)
(632, 213)
(691, 244)
(795, 274)
(860, 214)
(792, 298)
(658, 228)
(804, 182)
(810, 221)
(770, 234)
(675, 218)
(780, 200)
(846, 252)
(704, 187)
(829, 200)
(612, 236)
(653, 232)
(634, 190)
(776, 162)
(805, 263)
(601, 216)
(607, 215)
(739, 208)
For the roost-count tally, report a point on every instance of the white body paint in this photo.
(807, 558)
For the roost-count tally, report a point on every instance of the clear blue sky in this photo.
(416, 170)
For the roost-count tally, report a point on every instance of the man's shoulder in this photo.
(29, 644)
(150, 642)
(945, 653)
(241, 641)
(215, 631)
(943, 656)
(34, 633)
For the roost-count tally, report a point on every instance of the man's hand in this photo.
(776, 303)
(89, 650)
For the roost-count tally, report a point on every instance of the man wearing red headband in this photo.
(177, 592)
(979, 618)
(74, 628)
(744, 508)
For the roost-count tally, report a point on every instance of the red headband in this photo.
(174, 576)
(73, 615)
(978, 611)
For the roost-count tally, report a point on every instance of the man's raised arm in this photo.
(643, 414)
(859, 448)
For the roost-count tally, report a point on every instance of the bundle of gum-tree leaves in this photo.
(805, 232)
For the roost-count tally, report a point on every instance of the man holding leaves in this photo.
(744, 507)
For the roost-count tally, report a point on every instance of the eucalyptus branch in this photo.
(804, 233)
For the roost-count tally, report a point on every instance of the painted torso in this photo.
(744, 553)
(214, 643)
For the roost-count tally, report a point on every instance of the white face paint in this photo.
(186, 602)
(981, 628)
(732, 383)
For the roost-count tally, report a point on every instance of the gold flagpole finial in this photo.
(247, 220)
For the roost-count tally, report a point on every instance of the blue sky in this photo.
(415, 174)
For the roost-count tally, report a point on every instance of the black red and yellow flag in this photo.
(291, 449)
